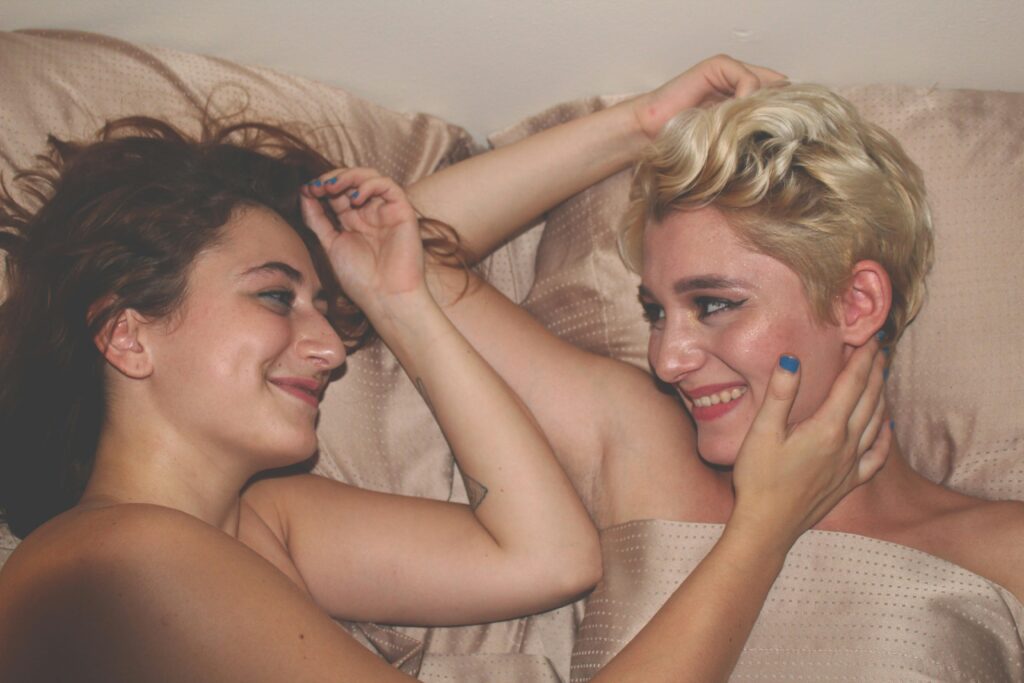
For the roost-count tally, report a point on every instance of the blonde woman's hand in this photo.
(709, 81)
(376, 251)
(787, 477)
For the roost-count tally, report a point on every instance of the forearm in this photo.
(699, 634)
(490, 197)
(520, 494)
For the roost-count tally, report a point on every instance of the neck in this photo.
(883, 502)
(132, 466)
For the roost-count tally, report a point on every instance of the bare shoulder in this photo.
(650, 466)
(127, 589)
(990, 540)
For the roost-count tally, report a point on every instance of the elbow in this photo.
(577, 568)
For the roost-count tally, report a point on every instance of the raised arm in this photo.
(490, 197)
(524, 543)
(786, 479)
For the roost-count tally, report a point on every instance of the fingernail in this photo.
(317, 183)
(355, 195)
(892, 425)
(789, 363)
(332, 181)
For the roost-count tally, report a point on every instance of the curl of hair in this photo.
(115, 224)
(800, 176)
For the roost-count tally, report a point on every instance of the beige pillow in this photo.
(374, 430)
(958, 380)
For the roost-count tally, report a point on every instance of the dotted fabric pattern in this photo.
(844, 608)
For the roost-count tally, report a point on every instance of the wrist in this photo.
(769, 535)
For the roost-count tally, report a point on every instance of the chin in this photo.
(718, 454)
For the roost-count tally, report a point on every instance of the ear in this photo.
(121, 341)
(864, 304)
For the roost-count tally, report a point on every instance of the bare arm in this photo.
(489, 197)
(526, 542)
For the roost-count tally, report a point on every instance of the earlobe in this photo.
(865, 303)
(121, 343)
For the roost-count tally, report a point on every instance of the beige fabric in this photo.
(958, 399)
(958, 380)
(374, 430)
(844, 608)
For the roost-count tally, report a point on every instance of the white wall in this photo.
(488, 63)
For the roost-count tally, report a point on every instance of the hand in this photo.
(713, 79)
(787, 477)
(377, 252)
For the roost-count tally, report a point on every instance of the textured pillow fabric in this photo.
(958, 380)
(374, 431)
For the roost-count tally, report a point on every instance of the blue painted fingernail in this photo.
(332, 181)
(317, 183)
(789, 363)
(892, 425)
(355, 195)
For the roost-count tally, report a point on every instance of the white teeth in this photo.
(724, 396)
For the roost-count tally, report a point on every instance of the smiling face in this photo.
(241, 367)
(721, 315)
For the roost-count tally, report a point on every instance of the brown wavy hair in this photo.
(112, 224)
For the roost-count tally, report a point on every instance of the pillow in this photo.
(374, 430)
(957, 383)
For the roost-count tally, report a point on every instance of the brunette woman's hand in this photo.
(376, 249)
(787, 477)
(709, 81)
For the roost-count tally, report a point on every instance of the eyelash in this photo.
(654, 314)
(281, 298)
(706, 302)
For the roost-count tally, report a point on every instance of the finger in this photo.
(377, 187)
(875, 457)
(314, 217)
(767, 76)
(871, 400)
(339, 180)
(773, 416)
(873, 427)
(732, 77)
(849, 386)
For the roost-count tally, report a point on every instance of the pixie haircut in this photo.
(800, 176)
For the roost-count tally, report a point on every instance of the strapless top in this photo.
(844, 608)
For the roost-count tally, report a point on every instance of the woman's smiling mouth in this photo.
(711, 402)
(306, 389)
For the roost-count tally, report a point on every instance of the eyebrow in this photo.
(276, 267)
(288, 271)
(690, 284)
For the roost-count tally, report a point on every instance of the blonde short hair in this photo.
(800, 177)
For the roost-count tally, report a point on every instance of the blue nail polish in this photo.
(332, 181)
(317, 182)
(355, 195)
(789, 363)
(892, 425)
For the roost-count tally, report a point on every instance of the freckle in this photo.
(302, 636)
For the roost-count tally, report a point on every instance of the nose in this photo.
(674, 351)
(319, 343)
